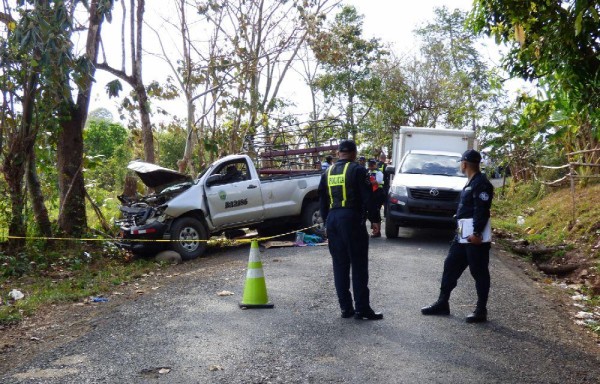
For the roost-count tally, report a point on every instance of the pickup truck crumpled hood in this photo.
(427, 181)
(156, 177)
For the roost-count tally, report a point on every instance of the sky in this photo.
(392, 21)
(395, 20)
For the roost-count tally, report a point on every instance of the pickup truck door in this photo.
(237, 198)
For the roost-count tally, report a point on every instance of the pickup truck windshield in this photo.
(429, 164)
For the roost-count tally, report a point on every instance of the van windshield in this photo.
(428, 164)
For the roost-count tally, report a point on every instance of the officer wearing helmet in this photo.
(474, 250)
(344, 193)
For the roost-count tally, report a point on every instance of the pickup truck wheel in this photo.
(311, 215)
(391, 229)
(188, 231)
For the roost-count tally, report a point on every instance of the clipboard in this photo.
(465, 229)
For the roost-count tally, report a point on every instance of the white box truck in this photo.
(426, 179)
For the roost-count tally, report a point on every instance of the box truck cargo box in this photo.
(426, 179)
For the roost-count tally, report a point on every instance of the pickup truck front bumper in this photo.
(146, 233)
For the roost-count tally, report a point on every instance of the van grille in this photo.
(430, 194)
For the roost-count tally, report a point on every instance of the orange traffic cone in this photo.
(255, 289)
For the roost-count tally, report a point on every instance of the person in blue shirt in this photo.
(328, 161)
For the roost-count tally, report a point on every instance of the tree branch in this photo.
(118, 73)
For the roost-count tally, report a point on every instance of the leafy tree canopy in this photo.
(556, 42)
(103, 137)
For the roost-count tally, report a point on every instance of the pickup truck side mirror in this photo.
(390, 170)
(214, 179)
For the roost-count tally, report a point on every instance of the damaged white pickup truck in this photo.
(230, 194)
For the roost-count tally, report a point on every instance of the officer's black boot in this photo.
(368, 315)
(440, 307)
(478, 316)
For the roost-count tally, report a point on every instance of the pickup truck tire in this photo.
(391, 229)
(311, 215)
(189, 228)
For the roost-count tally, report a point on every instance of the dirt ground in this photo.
(61, 323)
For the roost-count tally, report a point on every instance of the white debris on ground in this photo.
(15, 294)
(587, 315)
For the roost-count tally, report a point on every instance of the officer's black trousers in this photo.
(349, 248)
(477, 258)
(374, 206)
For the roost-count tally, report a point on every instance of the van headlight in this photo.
(399, 191)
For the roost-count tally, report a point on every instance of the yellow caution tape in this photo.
(235, 242)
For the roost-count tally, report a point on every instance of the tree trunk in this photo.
(350, 117)
(14, 168)
(15, 161)
(72, 216)
(144, 105)
(130, 187)
(144, 108)
(190, 140)
(37, 198)
(254, 75)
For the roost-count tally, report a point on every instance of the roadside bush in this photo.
(171, 145)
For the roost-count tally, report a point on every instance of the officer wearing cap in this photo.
(362, 161)
(343, 195)
(475, 203)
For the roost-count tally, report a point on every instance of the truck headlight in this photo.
(396, 193)
(399, 191)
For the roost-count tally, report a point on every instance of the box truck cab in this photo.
(426, 179)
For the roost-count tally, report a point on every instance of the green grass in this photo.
(65, 283)
(549, 215)
(549, 221)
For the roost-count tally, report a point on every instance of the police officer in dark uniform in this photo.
(344, 193)
(475, 203)
(381, 166)
(377, 197)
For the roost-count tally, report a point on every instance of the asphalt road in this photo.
(196, 336)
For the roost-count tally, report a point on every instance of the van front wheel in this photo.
(391, 229)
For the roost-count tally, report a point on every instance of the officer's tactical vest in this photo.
(341, 192)
(382, 170)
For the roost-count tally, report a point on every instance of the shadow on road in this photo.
(429, 235)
